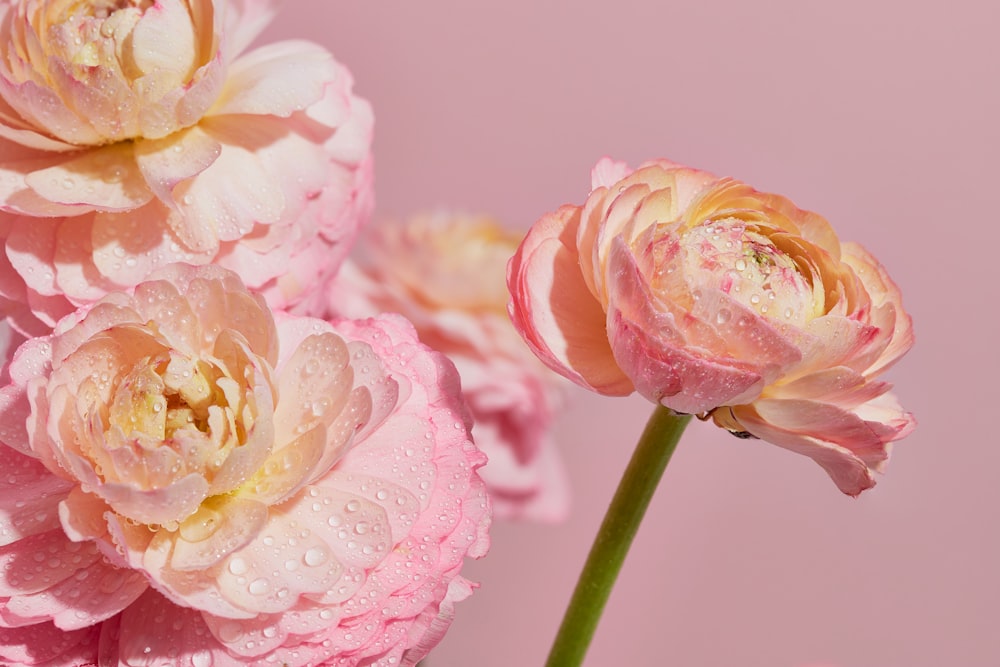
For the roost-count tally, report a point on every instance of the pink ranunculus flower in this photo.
(136, 134)
(445, 273)
(711, 298)
(189, 481)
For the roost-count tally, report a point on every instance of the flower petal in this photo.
(166, 162)
(104, 178)
(554, 310)
(278, 79)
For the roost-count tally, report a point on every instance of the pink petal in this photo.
(840, 385)
(93, 594)
(15, 129)
(313, 382)
(39, 644)
(105, 178)
(128, 247)
(665, 367)
(887, 296)
(240, 520)
(16, 163)
(164, 41)
(159, 301)
(748, 335)
(830, 423)
(243, 21)
(278, 79)
(218, 207)
(166, 162)
(29, 497)
(147, 506)
(154, 632)
(607, 172)
(41, 561)
(76, 274)
(31, 250)
(847, 470)
(41, 107)
(345, 531)
(555, 312)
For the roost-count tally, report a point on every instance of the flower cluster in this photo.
(221, 445)
(711, 298)
(198, 471)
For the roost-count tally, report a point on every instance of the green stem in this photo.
(650, 458)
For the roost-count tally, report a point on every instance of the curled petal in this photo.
(556, 313)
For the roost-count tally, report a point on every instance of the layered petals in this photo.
(711, 298)
(206, 484)
(150, 138)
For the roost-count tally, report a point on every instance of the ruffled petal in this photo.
(555, 312)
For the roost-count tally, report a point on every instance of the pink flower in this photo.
(135, 134)
(209, 485)
(709, 297)
(445, 273)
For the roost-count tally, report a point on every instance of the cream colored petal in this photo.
(221, 525)
(277, 79)
(166, 162)
(164, 40)
(105, 178)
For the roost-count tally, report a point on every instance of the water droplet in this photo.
(314, 557)
(259, 586)
(723, 316)
(238, 566)
(741, 265)
(788, 313)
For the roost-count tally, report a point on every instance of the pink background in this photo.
(884, 117)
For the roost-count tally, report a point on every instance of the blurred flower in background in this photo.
(445, 273)
(137, 134)
(208, 483)
(711, 298)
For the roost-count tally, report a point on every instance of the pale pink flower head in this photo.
(212, 485)
(445, 273)
(135, 134)
(711, 298)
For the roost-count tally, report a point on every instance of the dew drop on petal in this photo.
(259, 586)
(238, 566)
(314, 557)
